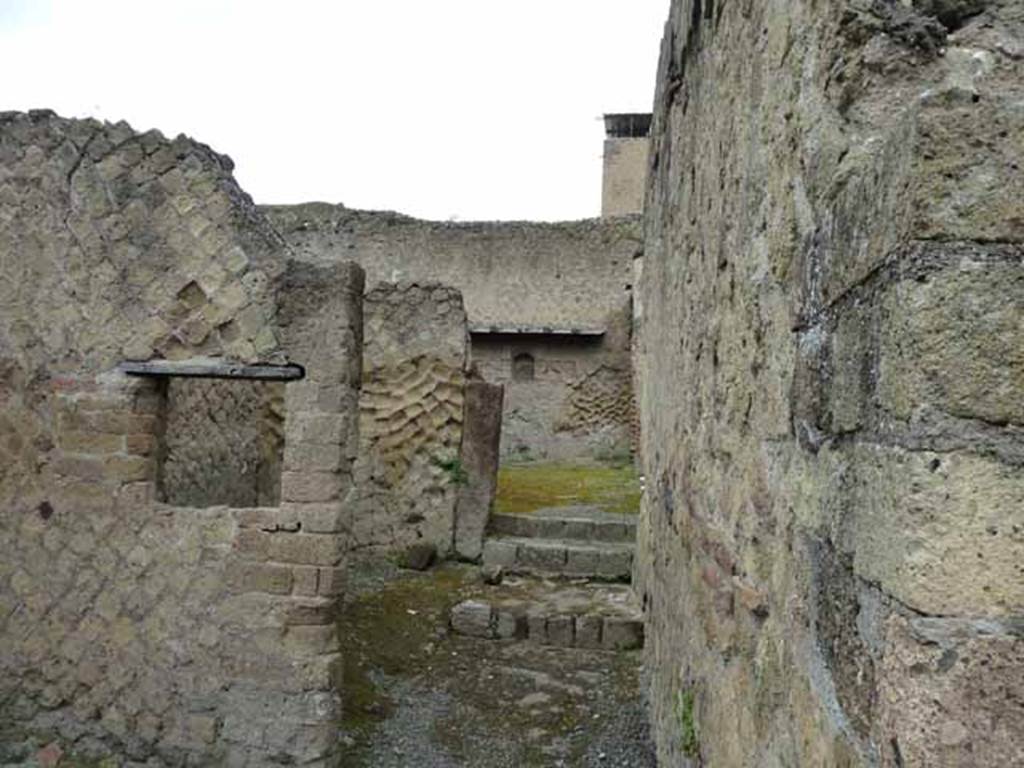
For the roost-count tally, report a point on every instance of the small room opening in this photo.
(222, 432)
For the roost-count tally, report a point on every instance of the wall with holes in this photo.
(407, 473)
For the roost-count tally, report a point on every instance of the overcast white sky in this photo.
(474, 109)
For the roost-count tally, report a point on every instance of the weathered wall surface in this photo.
(579, 400)
(479, 455)
(132, 628)
(625, 175)
(411, 416)
(830, 383)
(223, 443)
(510, 274)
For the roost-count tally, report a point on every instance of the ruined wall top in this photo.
(510, 273)
(120, 245)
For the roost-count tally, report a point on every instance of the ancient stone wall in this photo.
(830, 378)
(573, 398)
(511, 274)
(223, 443)
(177, 635)
(411, 416)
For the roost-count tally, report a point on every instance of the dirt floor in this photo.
(417, 695)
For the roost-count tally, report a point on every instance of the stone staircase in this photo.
(576, 542)
(561, 562)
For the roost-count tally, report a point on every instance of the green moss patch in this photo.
(525, 488)
(387, 631)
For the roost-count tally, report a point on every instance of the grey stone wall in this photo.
(578, 401)
(828, 356)
(509, 273)
(223, 443)
(131, 628)
(411, 417)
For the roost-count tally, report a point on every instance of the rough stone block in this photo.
(588, 631)
(622, 634)
(311, 611)
(419, 556)
(613, 532)
(304, 580)
(561, 631)
(600, 562)
(331, 581)
(574, 528)
(542, 556)
(617, 564)
(140, 445)
(311, 639)
(316, 428)
(473, 618)
(511, 525)
(939, 531)
(330, 517)
(261, 577)
(510, 622)
(91, 442)
(537, 626)
(937, 692)
(500, 552)
(950, 341)
(298, 548)
(479, 455)
(311, 486)
(306, 457)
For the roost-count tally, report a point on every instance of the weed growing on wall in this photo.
(688, 743)
(453, 467)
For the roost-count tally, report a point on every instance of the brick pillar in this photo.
(322, 328)
(297, 551)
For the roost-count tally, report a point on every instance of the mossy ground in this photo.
(387, 631)
(524, 488)
(415, 694)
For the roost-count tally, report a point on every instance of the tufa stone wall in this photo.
(510, 274)
(831, 545)
(223, 443)
(411, 416)
(131, 628)
(577, 399)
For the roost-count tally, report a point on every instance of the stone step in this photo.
(610, 630)
(607, 528)
(565, 557)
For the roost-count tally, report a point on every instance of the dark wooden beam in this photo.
(213, 369)
(535, 330)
